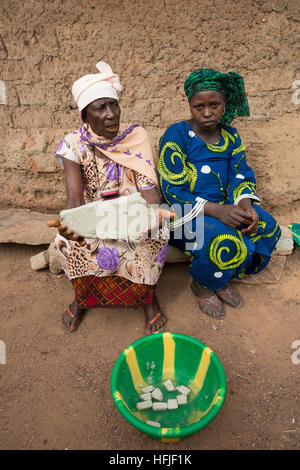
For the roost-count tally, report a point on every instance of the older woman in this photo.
(105, 159)
(202, 162)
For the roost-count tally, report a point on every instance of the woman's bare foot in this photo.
(155, 320)
(72, 317)
(208, 302)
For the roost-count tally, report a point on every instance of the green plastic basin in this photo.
(181, 358)
(295, 229)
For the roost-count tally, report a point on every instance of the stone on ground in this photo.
(54, 261)
(25, 227)
(40, 261)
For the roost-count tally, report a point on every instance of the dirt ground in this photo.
(55, 387)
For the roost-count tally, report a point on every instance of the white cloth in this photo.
(91, 87)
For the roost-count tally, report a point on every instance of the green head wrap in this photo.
(230, 84)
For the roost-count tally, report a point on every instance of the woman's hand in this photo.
(252, 228)
(161, 214)
(233, 216)
(153, 196)
(65, 232)
(246, 204)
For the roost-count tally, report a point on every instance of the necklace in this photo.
(111, 193)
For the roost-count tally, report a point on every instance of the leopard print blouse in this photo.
(140, 260)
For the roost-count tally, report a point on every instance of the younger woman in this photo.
(203, 159)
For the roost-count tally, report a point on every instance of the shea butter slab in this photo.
(124, 217)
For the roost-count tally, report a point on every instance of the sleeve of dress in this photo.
(175, 173)
(242, 182)
(65, 150)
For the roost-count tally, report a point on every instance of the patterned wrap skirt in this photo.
(92, 291)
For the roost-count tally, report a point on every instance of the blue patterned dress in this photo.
(188, 168)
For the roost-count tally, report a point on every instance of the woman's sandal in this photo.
(211, 306)
(75, 322)
(230, 296)
(153, 321)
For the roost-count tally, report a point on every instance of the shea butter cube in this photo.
(148, 389)
(169, 385)
(144, 405)
(172, 404)
(157, 394)
(160, 406)
(154, 423)
(145, 396)
(183, 390)
(181, 399)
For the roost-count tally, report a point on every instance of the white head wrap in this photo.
(94, 86)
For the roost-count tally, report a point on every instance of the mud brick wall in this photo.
(153, 45)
